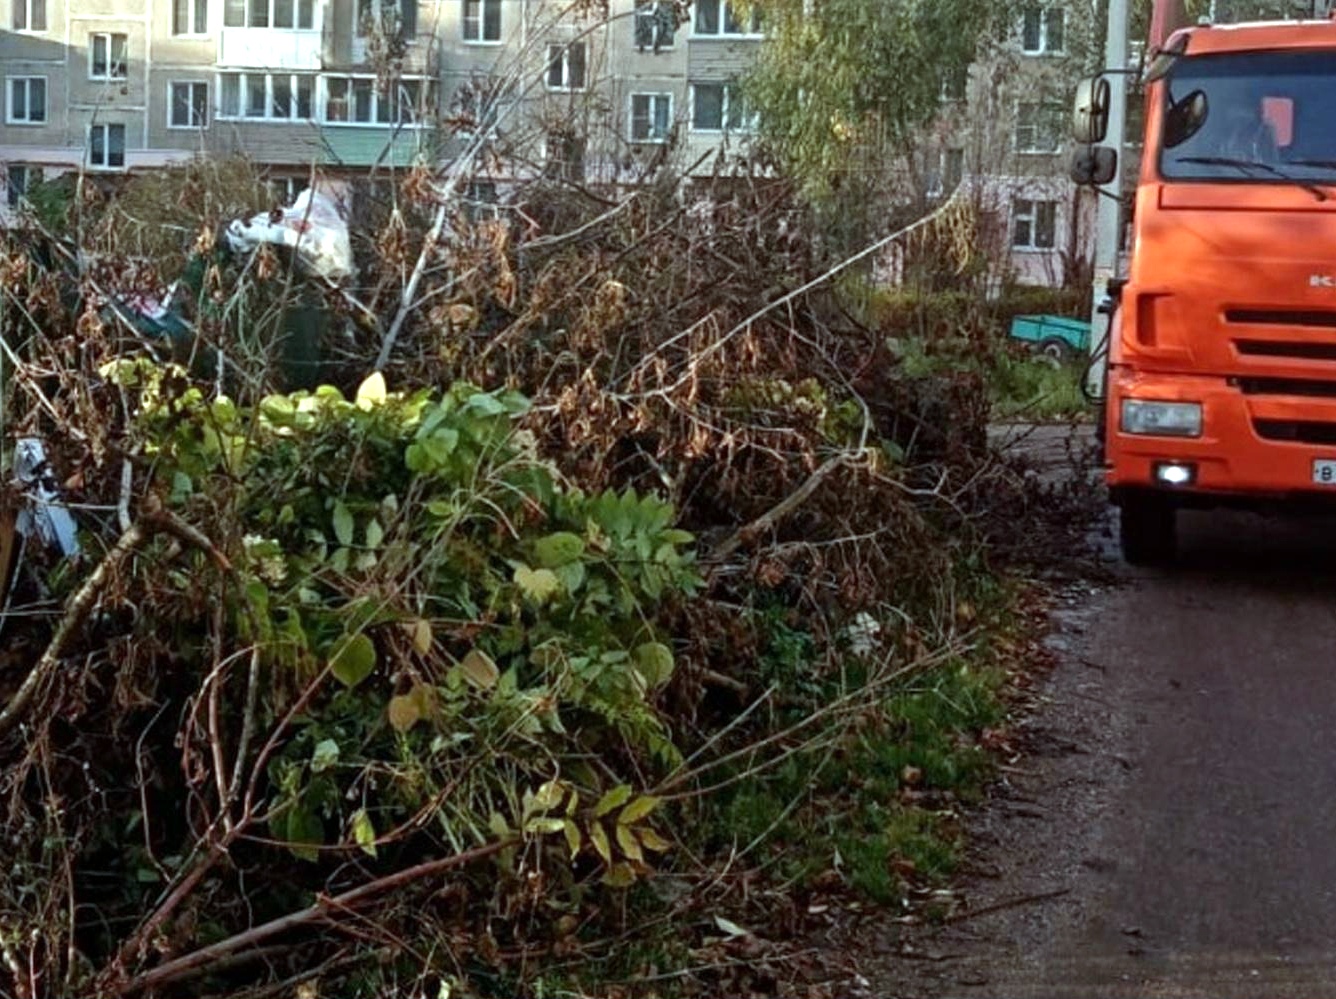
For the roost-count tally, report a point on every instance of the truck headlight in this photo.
(1161, 419)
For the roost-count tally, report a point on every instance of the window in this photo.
(19, 180)
(566, 66)
(106, 56)
(651, 117)
(655, 24)
(720, 107)
(361, 100)
(106, 146)
(188, 105)
(482, 21)
(266, 96)
(287, 188)
(1044, 30)
(27, 100)
(1034, 224)
(286, 14)
(190, 17)
(953, 168)
(28, 15)
(1039, 127)
(717, 17)
(955, 85)
(391, 18)
(564, 155)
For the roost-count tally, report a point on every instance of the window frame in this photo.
(16, 201)
(1031, 218)
(563, 58)
(197, 18)
(408, 27)
(481, 22)
(299, 7)
(654, 95)
(1056, 110)
(651, 8)
(109, 76)
(374, 119)
(728, 87)
(221, 113)
(105, 127)
(28, 7)
(190, 105)
(722, 11)
(26, 121)
(1045, 11)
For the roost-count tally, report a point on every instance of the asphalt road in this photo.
(1172, 830)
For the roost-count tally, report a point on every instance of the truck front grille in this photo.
(1296, 431)
(1322, 318)
(1288, 386)
(1287, 348)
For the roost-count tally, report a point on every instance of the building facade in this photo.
(108, 86)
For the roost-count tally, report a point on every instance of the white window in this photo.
(106, 56)
(1034, 224)
(651, 117)
(190, 17)
(287, 14)
(1044, 30)
(655, 24)
(1039, 127)
(28, 15)
(566, 66)
(287, 188)
(188, 105)
(720, 107)
(266, 96)
(717, 17)
(106, 146)
(361, 100)
(482, 21)
(27, 100)
(391, 18)
(19, 180)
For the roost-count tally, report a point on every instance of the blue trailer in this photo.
(1060, 338)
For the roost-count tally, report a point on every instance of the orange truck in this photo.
(1221, 367)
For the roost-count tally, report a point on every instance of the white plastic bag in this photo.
(315, 226)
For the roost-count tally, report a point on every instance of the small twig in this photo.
(1012, 903)
(781, 510)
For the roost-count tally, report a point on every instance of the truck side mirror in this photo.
(1094, 166)
(1090, 110)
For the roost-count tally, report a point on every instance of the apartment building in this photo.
(109, 86)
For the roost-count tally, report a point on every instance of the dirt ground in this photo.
(1170, 826)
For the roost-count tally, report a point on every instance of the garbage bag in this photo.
(315, 227)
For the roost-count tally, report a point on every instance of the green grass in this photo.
(1030, 388)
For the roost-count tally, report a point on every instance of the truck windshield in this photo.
(1263, 117)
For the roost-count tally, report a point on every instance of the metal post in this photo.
(1108, 205)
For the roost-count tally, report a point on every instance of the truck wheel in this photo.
(1148, 531)
(1054, 350)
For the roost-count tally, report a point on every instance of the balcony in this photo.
(270, 48)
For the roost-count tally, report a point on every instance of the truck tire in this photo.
(1148, 530)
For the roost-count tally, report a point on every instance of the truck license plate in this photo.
(1324, 471)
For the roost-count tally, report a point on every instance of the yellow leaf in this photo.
(599, 837)
(549, 796)
(404, 712)
(638, 809)
(364, 833)
(626, 839)
(538, 585)
(620, 876)
(479, 669)
(422, 636)
(372, 391)
(651, 840)
(615, 798)
(544, 827)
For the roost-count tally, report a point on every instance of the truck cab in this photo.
(1221, 375)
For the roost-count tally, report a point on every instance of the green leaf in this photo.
(540, 826)
(556, 550)
(353, 660)
(343, 524)
(371, 393)
(654, 662)
(538, 585)
(599, 837)
(375, 534)
(548, 797)
(364, 833)
(573, 839)
(404, 711)
(487, 404)
(626, 839)
(620, 876)
(614, 799)
(651, 840)
(638, 809)
(325, 755)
